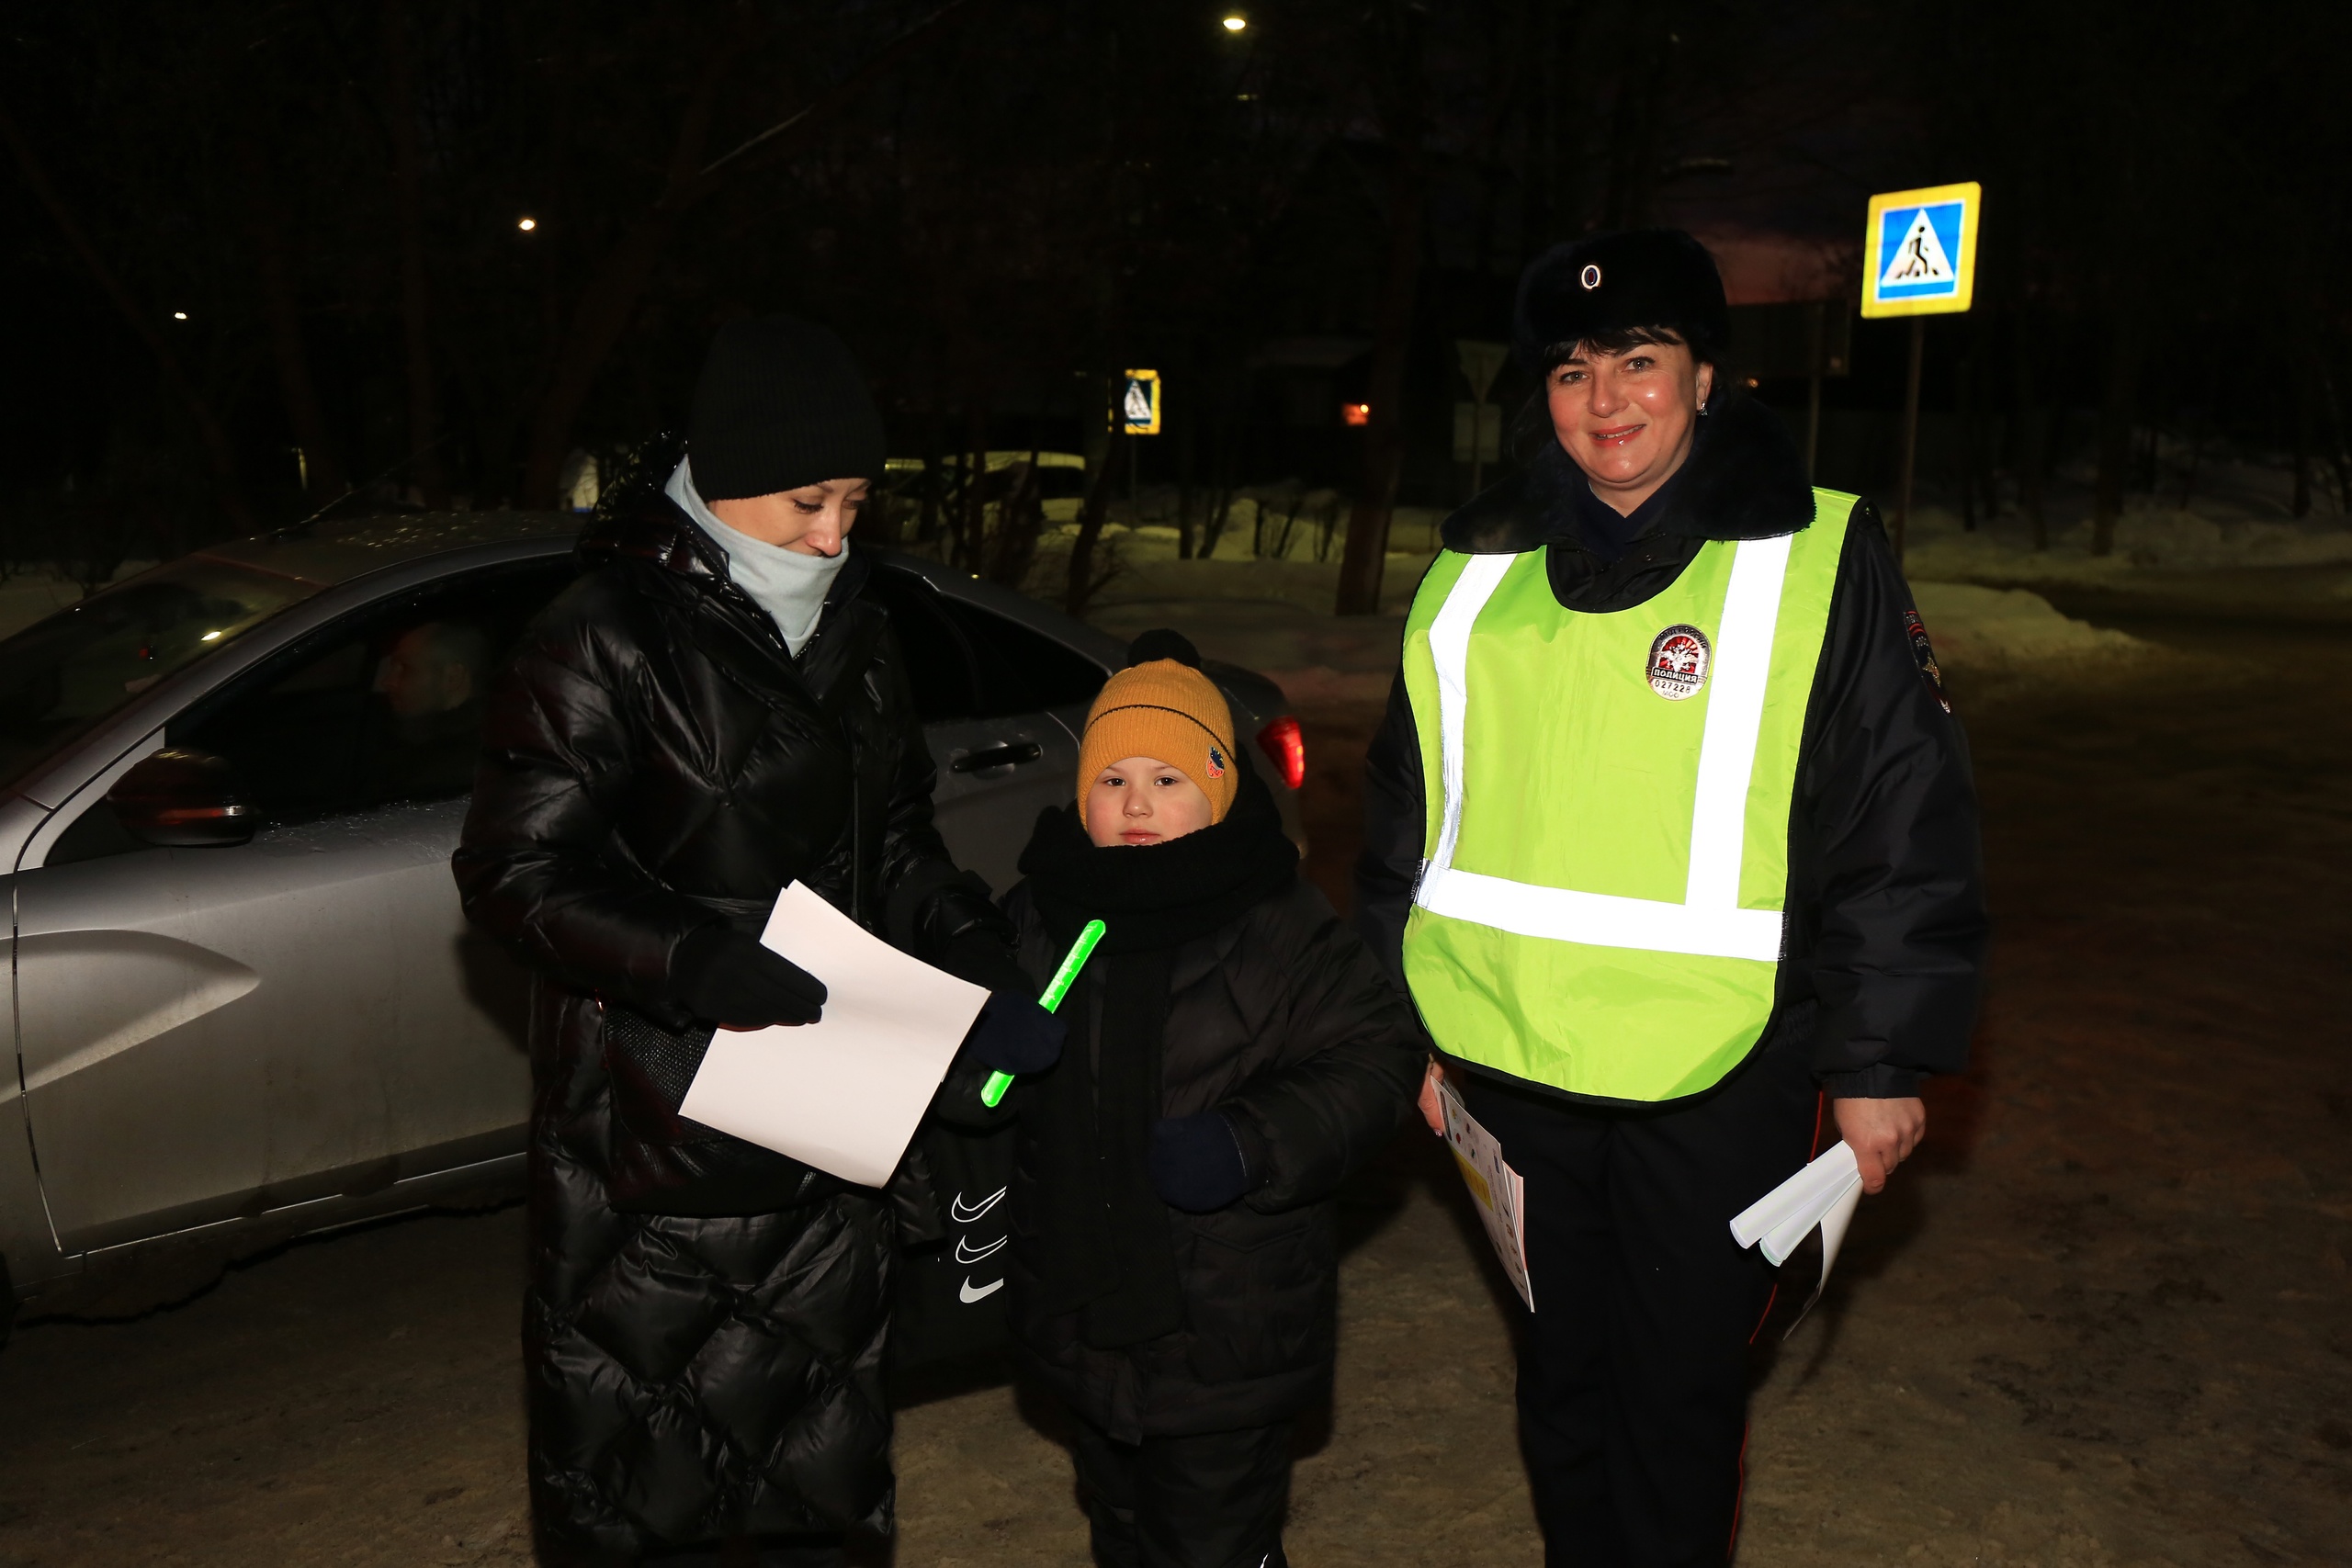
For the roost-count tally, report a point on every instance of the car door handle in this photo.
(1012, 754)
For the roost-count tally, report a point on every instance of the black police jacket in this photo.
(703, 1322)
(1886, 926)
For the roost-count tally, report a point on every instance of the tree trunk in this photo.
(220, 456)
(1383, 436)
(934, 474)
(1185, 488)
(408, 190)
(2032, 439)
(2300, 391)
(2115, 433)
(322, 471)
(1092, 512)
(610, 298)
(1968, 433)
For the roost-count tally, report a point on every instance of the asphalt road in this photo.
(2101, 1320)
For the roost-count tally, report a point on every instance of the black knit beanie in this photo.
(781, 404)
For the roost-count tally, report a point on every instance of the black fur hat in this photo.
(1643, 278)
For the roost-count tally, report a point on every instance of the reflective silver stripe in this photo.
(1450, 647)
(1600, 919)
(1742, 671)
(1709, 922)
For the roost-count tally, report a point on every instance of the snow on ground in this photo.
(2152, 542)
(1275, 616)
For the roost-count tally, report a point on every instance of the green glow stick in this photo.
(992, 1092)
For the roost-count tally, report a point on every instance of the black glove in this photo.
(1013, 1034)
(1196, 1162)
(722, 975)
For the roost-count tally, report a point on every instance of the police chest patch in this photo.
(1917, 631)
(1680, 658)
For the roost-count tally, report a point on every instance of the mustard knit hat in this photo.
(1163, 707)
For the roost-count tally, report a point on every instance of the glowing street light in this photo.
(527, 224)
(180, 315)
(1235, 22)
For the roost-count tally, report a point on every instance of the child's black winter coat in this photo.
(1281, 1019)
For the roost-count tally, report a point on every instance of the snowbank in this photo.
(1321, 660)
(2148, 539)
(2011, 629)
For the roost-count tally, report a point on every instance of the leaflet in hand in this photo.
(1824, 1193)
(842, 1094)
(1497, 1189)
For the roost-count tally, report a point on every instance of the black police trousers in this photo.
(1633, 1369)
(1214, 1500)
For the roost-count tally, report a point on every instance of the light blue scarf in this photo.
(790, 586)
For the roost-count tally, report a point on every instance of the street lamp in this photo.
(527, 224)
(1235, 22)
(180, 315)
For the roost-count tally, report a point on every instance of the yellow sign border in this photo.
(1970, 195)
(1127, 428)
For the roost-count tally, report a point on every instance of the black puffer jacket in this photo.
(703, 1324)
(1281, 1019)
(1886, 925)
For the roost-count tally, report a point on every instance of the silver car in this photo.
(245, 1005)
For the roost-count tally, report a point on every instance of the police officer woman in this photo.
(1670, 832)
(713, 711)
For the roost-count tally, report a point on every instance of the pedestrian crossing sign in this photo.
(1139, 411)
(1919, 251)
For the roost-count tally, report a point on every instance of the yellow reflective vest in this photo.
(1605, 859)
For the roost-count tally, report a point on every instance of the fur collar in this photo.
(1744, 480)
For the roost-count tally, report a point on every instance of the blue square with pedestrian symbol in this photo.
(1919, 251)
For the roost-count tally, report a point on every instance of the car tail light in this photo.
(1285, 746)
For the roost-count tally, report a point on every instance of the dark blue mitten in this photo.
(1013, 1034)
(1196, 1162)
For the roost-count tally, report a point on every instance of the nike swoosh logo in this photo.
(965, 1216)
(967, 1295)
(974, 1256)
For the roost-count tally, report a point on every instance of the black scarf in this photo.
(1105, 1251)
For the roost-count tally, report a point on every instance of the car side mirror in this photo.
(183, 799)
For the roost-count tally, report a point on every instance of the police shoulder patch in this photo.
(1921, 650)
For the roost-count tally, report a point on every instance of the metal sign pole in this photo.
(1910, 431)
(1918, 260)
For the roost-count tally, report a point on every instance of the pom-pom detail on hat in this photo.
(1160, 642)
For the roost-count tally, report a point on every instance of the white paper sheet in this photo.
(1824, 1193)
(842, 1094)
(1497, 1189)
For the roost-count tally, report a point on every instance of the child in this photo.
(1234, 1053)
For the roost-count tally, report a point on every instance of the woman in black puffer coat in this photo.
(695, 724)
(1234, 1053)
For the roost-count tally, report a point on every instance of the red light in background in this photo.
(1285, 745)
(1355, 413)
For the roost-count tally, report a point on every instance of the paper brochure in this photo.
(843, 1094)
(1824, 1193)
(1497, 1189)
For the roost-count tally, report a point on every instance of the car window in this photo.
(940, 662)
(62, 676)
(966, 662)
(1018, 670)
(384, 705)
